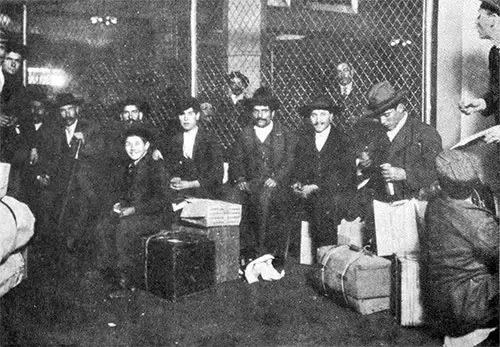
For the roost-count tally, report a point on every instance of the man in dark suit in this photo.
(324, 173)
(261, 168)
(194, 157)
(346, 93)
(401, 164)
(72, 170)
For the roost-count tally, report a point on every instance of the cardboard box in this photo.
(210, 213)
(178, 264)
(227, 249)
(361, 278)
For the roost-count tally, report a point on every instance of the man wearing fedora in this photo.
(401, 163)
(324, 172)
(74, 183)
(261, 168)
(459, 251)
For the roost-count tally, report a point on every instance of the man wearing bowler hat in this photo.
(323, 173)
(261, 168)
(401, 163)
(72, 170)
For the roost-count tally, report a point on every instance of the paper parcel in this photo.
(209, 213)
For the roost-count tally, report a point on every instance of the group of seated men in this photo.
(114, 184)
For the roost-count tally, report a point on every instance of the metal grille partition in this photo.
(300, 44)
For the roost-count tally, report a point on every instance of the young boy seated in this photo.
(141, 211)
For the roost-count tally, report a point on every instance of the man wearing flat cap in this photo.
(261, 170)
(73, 170)
(488, 27)
(194, 157)
(401, 163)
(460, 255)
(323, 173)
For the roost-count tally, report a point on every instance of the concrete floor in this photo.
(65, 303)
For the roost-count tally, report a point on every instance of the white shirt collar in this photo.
(346, 90)
(322, 137)
(236, 98)
(188, 142)
(391, 134)
(70, 131)
(262, 133)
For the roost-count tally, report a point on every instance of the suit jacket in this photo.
(460, 265)
(205, 166)
(281, 140)
(89, 158)
(414, 149)
(352, 105)
(491, 97)
(332, 169)
(145, 187)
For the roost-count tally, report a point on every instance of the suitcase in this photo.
(178, 264)
(358, 278)
(227, 249)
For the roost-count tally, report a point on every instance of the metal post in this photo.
(25, 36)
(194, 53)
(427, 27)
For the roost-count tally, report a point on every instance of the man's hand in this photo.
(6, 121)
(127, 211)
(392, 173)
(79, 136)
(308, 189)
(270, 183)
(492, 135)
(364, 160)
(157, 155)
(297, 188)
(468, 106)
(43, 180)
(33, 156)
(177, 184)
(243, 185)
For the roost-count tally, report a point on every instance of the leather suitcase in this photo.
(178, 264)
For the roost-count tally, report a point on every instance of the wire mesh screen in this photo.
(302, 43)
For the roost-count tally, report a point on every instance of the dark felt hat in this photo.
(263, 97)
(142, 105)
(457, 166)
(237, 74)
(381, 97)
(66, 99)
(320, 103)
(138, 130)
(494, 4)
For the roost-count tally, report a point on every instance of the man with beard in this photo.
(72, 171)
(324, 172)
(262, 164)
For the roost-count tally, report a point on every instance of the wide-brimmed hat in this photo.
(66, 99)
(320, 103)
(495, 4)
(381, 97)
(263, 97)
(457, 166)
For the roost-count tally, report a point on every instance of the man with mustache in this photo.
(261, 168)
(323, 172)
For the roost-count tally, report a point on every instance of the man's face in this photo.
(262, 116)
(189, 119)
(236, 85)
(320, 120)
(485, 23)
(69, 114)
(136, 147)
(12, 63)
(38, 111)
(344, 74)
(391, 118)
(131, 114)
